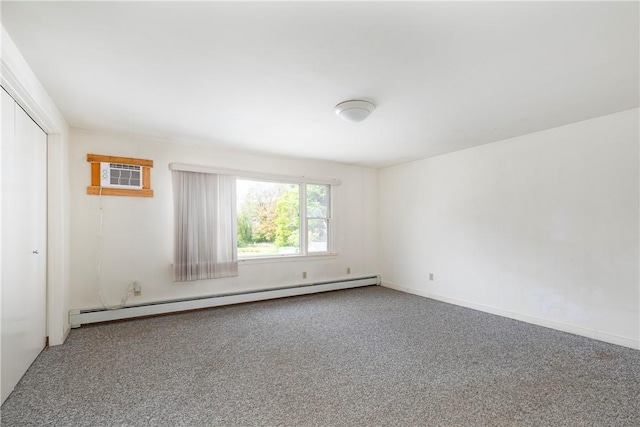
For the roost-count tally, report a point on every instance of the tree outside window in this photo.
(269, 218)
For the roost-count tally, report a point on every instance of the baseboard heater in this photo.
(78, 318)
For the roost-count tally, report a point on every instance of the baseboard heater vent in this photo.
(78, 318)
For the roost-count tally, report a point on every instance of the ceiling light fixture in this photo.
(354, 111)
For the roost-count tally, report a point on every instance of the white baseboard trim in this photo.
(576, 330)
(78, 318)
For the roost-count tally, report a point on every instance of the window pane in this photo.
(317, 229)
(317, 201)
(268, 218)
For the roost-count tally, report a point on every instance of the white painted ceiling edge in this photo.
(265, 76)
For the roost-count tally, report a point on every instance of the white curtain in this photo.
(205, 226)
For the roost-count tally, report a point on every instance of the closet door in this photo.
(24, 217)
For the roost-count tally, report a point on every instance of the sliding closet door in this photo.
(24, 219)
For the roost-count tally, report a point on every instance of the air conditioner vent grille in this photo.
(118, 175)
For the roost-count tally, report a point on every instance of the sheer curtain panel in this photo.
(205, 226)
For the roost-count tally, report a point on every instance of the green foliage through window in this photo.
(268, 218)
(269, 215)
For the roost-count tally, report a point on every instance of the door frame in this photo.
(17, 78)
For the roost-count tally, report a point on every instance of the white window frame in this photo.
(328, 218)
(285, 179)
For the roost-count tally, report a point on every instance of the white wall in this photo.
(543, 228)
(138, 232)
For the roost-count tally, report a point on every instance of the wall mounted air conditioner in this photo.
(119, 175)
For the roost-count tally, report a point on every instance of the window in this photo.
(317, 214)
(280, 219)
(272, 215)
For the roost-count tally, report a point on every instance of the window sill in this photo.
(286, 258)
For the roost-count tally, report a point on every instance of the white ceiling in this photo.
(265, 76)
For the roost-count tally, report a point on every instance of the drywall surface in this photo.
(542, 228)
(137, 241)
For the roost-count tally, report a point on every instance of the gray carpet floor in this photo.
(361, 357)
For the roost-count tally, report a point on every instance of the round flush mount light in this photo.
(354, 111)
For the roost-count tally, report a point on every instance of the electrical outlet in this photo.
(431, 276)
(304, 274)
(348, 270)
(137, 289)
